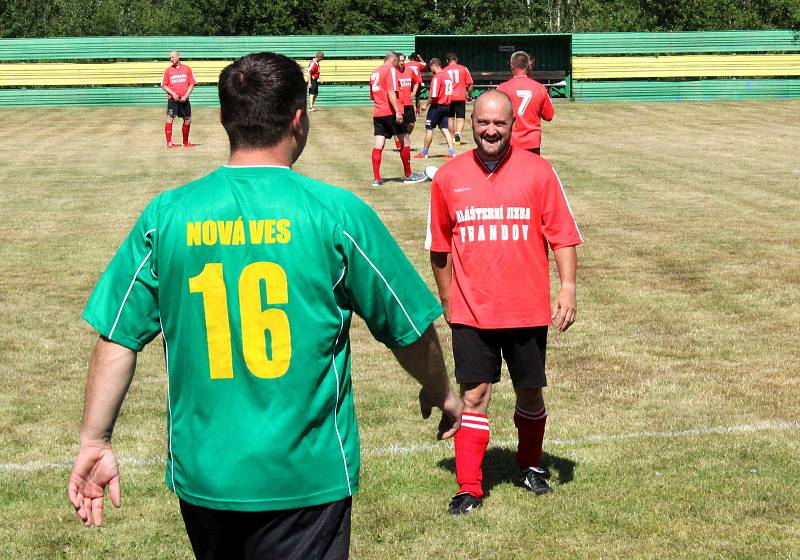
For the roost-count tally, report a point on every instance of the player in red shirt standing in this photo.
(417, 64)
(312, 77)
(440, 91)
(178, 82)
(387, 118)
(462, 92)
(495, 212)
(531, 103)
(409, 82)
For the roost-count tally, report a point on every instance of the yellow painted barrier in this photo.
(729, 65)
(130, 73)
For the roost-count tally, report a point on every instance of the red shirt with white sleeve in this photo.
(531, 104)
(382, 81)
(417, 67)
(441, 88)
(498, 226)
(461, 79)
(313, 69)
(178, 79)
(406, 80)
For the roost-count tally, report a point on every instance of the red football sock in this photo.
(168, 132)
(185, 131)
(397, 143)
(405, 155)
(470, 443)
(376, 162)
(530, 429)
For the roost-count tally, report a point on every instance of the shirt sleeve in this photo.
(558, 223)
(124, 304)
(467, 77)
(546, 110)
(381, 285)
(192, 81)
(165, 79)
(390, 80)
(440, 230)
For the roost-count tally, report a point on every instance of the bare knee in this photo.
(530, 400)
(476, 396)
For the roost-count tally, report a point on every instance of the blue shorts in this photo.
(437, 116)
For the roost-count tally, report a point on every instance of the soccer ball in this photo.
(430, 171)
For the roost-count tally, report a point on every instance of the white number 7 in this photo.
(525, 95)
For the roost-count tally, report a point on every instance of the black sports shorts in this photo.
(437, 116)
(317, 532)
(478, 354)
(386, 126)
(536, 151)
(176, 109)
(458, 109)
(313, 87)
(409, 117)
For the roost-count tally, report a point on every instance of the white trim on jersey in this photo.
(336, 372)
(395, 83)
(169, 406)
(382, 277)
(249, 166)
(125, 299)
(428, 234)
(564, 194)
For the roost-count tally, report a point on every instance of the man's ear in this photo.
(297, 120)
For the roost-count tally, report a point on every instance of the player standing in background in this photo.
(438, 102)
(408, 82)
(178, 82)
(387, 118)
(312, 76)
(531, 103)
(495, 213)
(252, 275)
(462, 92)
(418, 64)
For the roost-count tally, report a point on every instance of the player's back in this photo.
(531, 104)
(461, 78)
(382, 80)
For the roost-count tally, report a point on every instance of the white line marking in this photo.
(34, 466)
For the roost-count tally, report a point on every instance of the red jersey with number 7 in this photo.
(531, 104)
(382, 81)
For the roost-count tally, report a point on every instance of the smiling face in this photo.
(492, 122)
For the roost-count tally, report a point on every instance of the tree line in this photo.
(77, 18)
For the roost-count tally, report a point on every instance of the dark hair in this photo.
(258, 96)
(415, 56)
(521, 60)
(451, 56)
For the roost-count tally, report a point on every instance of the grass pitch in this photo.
(674, 400)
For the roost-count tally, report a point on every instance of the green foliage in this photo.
(54, 18)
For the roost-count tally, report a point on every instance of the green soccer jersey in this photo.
(252, 274)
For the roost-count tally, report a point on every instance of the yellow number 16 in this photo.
(256, 321)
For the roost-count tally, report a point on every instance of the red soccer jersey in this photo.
(461, 79)
(417, 67)
(498, 225)
(531, 105)
(313, 69)
(382, 81)
(441, 88)
(406, 80)
(178, 79)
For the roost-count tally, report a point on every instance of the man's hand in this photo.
(95, 469)
(451, 409)
(564, 308)
(398, 117)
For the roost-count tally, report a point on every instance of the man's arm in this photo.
(398, 113)
(424, 361)
(188, 93)
(110, 374)
(442, 265)
(565, 305)
(171, 93)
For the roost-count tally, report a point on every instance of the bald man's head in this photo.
(492, 122)
(175, 58)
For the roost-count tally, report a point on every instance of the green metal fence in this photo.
(155, 48)
(686, 42)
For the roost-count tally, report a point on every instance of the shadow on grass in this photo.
(500, 467)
